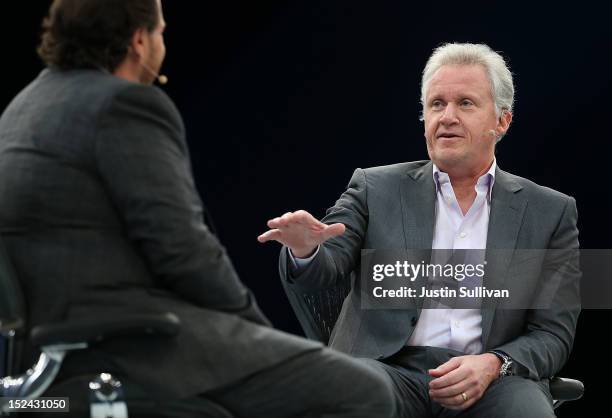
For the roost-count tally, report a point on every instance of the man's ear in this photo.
(503, 123)
(137, 43)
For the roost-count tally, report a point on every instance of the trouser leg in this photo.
(320, 383)
(409, 392)
(510, 397)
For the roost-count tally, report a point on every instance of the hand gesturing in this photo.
(300, 231)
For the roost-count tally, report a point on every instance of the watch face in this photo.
(508, 368)
(512, 368)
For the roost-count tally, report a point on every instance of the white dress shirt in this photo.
(458, 329)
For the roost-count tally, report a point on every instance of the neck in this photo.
(464, 183)
(129, 71)
(466, 177)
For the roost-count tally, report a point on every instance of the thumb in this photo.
(333, 230)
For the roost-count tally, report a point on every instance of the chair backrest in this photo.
(317, 311)
(12, 304)
(12, 307)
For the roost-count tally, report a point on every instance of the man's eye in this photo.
(465, 103)
(436, 104)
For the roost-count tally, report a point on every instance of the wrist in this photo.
(495, 364)
(302, 252)
(507, 367)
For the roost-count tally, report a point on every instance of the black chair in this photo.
(318, 311)
(100, 395)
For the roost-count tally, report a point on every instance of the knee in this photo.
(516, 396)
(376, 392)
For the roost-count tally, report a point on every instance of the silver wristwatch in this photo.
(507, 367)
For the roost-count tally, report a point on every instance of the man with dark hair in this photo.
(99, 213)
(87, 34)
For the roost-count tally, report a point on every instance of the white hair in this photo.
(502, 86)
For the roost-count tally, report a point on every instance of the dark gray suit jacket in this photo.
(99, 213)
(392, 207)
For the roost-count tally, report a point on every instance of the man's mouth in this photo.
(448, 135)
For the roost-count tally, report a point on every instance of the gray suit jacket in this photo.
(99, 213)
(392, 207)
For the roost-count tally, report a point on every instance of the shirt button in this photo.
(463, 235)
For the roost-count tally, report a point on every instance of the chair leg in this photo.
(107, 399)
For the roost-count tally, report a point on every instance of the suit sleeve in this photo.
(337, 257)
(547, 341)
(142, 158)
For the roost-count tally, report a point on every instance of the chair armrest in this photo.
(91, 330)
(563, 389)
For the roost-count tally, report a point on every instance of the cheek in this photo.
(475, 129)
(430, 128)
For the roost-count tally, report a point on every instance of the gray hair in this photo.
(502, 86)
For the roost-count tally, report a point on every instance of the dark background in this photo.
(283, 101)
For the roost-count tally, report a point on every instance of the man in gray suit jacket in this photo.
(479, 362)
(100, 214)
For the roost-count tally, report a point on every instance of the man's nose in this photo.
(449, 115)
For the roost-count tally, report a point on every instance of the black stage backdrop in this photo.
(283, 101)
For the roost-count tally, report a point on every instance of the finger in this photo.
(272, 234)
(285, 219)
(279, 221)
(333, 230)
(451, 400)
(449, 379)
(457, 401)
(273, 223)
(444, 368)
(449, 391)
(302, 216)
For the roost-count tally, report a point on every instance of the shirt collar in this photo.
(487, 179)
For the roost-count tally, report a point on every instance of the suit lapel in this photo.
(507, 210)
(418, 196)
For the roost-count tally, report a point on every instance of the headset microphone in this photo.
(161, 79)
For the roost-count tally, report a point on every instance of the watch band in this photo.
(507, 367)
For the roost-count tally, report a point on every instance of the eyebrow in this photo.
(469, 96)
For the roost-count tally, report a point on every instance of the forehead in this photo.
(453, 80)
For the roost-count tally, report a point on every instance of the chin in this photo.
(449, 156)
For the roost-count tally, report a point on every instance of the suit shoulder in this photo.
(148, 98)
(144, 93)
(539, 192)
(107, 97)
(94, 90)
